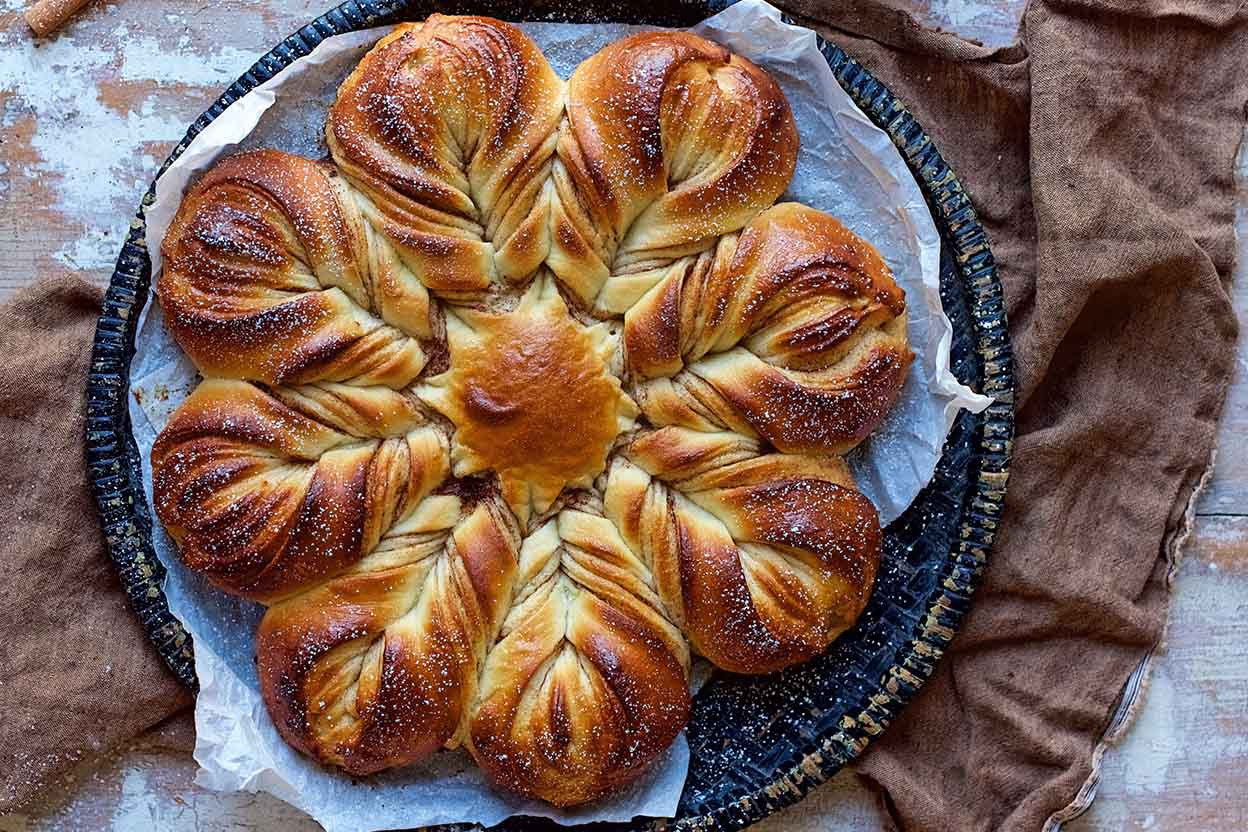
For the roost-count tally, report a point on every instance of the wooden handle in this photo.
(46, 16)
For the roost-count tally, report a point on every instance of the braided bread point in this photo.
(589, 681)
(762, 560)
(266, 493)
(376, 668)
(447, 129)
(272, 274)
(793, 331)
(669, 142)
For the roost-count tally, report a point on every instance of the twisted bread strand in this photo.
(376, 667)
(271, 274)
(761, 559)
(447, 129)
(793, 331)
(669, 142)
(265, 500)
(589, 679)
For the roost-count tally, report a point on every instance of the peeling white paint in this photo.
(157, 796)
(1153, 742)
(994, 24)
(147, 59)
(80, 141)
(96, 248)
(135, 807)
(1221, 532)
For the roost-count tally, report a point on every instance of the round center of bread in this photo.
(531, 397)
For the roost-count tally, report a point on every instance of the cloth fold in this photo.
(77, 674)
(1098, 152)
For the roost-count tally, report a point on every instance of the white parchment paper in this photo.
(846, 166)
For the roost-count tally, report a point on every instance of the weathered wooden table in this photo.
(86, 118)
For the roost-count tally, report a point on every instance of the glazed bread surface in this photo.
(523, 398)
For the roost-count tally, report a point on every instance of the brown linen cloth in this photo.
(75, 673)
(1098, 153)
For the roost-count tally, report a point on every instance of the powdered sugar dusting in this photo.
(279, 783)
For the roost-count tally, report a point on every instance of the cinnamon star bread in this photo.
(524, 396)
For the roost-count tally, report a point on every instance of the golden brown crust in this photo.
(531, 399)
(447, 127)
(669, 142)
(589, 681)
(763, 560)
(793, 331)
(376, 667)
(264, 500)
(413, 441)
(267, 277)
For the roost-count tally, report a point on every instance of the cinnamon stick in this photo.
(46, 16)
